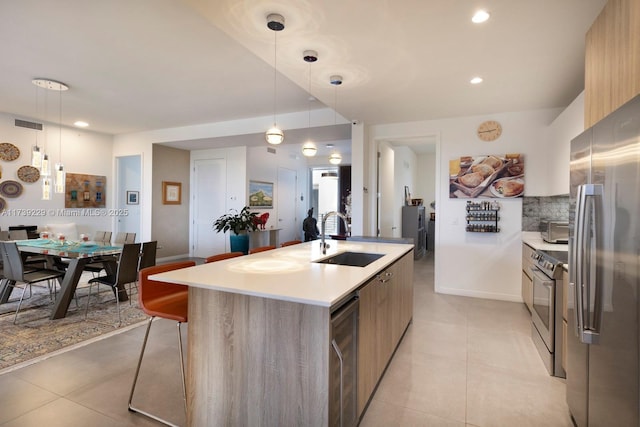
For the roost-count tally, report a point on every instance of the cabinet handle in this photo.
(334, 344)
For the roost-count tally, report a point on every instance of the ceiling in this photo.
(150, 64)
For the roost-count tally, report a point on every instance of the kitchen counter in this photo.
(290, 273)
(262, 332)
(534, 239)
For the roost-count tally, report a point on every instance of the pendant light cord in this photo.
(36, 114)
(60, 141)
(309, 102)
(275, 75)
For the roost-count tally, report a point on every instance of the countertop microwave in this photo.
(554, 231)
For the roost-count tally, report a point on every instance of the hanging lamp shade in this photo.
(36, 156)
(60, 178)
(309, 149)
(335, 159)
(45, 169)
(274, 135)
(46, 188)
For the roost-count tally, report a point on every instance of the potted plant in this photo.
(239, 223)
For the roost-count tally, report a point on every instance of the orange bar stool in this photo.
(167, 301)
(220, 257)
(290, 243)
(261, 249)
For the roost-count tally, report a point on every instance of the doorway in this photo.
(129, 179)
(325, 196)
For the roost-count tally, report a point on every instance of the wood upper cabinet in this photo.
(612, 59)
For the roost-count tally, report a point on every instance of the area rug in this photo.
(36, 335)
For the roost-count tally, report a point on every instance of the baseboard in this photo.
(172, 258)
(478, 294)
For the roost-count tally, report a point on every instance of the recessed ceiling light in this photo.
(81, 124)
(480, 16)
(476, 80)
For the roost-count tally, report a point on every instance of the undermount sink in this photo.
(353, 259)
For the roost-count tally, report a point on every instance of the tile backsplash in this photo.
(536, 208)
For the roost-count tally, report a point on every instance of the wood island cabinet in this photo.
(259, 361)
(386, 309)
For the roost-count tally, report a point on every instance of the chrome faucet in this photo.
(324, 245)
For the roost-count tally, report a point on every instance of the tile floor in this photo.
(463, 362)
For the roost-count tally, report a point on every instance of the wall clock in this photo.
(28, 174)
(489, 130)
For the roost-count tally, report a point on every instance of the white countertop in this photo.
(534, 239)
(288, 273)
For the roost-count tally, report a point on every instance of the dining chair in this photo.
(14, 272)
(29, 261)
(126, 272)
(261, 249)
(167, 301)
(148, 254)
(18, 235)
(290, 243)
(102, 236)
(123, 237)
(220, 257)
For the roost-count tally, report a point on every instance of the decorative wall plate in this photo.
(9, 152)
(28, 173)
(10, 189)
(3, 204)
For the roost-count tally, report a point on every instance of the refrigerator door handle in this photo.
(589, 241)
(577, 260)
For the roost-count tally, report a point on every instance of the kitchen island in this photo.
(260, 333)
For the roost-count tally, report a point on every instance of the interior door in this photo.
(386, 202)
(208, 204)
(287, 221)
(129, 179)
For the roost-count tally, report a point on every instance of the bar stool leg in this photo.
(135, 379)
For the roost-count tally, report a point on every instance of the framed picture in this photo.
(85, 191)
(493, 176)
(132, 197)
(261, 194)
(171, 193)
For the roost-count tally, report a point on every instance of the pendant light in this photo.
(335, 159)
(44, 160)
(60, 175)
(275, 22)
(309, 148)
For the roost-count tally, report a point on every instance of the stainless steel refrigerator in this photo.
(604, 248)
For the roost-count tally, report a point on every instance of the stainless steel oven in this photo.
(546, 329)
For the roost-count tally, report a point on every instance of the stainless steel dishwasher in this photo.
(343, 365)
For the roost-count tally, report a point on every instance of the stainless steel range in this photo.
(546, 330)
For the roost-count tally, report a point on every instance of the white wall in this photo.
(426, 185)
(83, 152)
(480, 264)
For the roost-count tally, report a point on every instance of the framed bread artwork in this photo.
(493, 175)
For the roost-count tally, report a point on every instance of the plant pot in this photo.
(239, 243)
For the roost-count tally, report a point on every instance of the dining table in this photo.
(76, 254)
